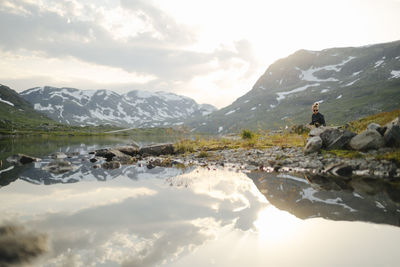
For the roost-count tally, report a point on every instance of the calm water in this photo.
(197, 217)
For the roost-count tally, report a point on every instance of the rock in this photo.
(342, 141)
(316, 131)
(369, 139)
(382, 130)
(328, 135)
(392, 136)
(373, 126)
(340, 169)
(58, 166)
(134, 144)
(111, 165)
(93, 160)
(114, 155)
(157, 150)
(104, 153)
(314, 144)
(21, 158)
(128, 150)
(58, 155)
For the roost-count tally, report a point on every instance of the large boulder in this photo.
(113, 154)
(314, 144)
(157, 150)
(317, 131)
(392, 136)
(21, 159)
(334, 138)
(369, 139)
(341, 142)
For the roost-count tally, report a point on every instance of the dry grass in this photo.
(261, 140)
(380, 118)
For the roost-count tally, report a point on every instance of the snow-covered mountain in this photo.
(133, 109)
(350, 83)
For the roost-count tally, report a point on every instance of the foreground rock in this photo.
(314, 144)
(21, 159)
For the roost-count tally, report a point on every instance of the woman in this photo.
(317, 118)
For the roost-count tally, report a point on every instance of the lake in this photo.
(134, 216)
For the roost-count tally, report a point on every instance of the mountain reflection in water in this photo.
(197, 217)
(333, 198)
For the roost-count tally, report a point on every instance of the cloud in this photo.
(159, 49)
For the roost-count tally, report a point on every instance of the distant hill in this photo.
(134, 109)
(17, 112)
(350, 83)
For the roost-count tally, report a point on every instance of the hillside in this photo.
(350, 83)
(15, 112)
(137, 109)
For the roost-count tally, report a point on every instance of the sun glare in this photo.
(276, 225)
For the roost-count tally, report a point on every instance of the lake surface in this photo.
(133, 216)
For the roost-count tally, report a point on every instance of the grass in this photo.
(260, 141)
(350, 154)
(381, 118)
(392, 156)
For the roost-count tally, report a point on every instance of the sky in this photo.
(211, 50)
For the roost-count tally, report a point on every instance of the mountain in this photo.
(16, 112)
(349, 83)
(133, 109)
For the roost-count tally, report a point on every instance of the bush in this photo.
(247, 134)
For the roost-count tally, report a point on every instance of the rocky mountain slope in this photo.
(349, 83)
(134, 109)
(17, 112)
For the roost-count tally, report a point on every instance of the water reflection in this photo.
(334, 198)
(147, 224)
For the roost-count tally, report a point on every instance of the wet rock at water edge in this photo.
(93, 160)
(111, 165)
(369, 139)
(128, 150)
(314, 144)
(58, 155)
(340, 169)
(157, 150)
(21, 159)
(59, 166)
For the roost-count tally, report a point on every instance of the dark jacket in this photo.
(317, 120)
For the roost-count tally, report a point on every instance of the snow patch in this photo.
(220, 128)
(282, 95)
(356, 73)
(37, 106)
(230, 112)
(351, 83)
(395, 74)
(339, 97)
(378, 63)
(308, 75)
(324, 91)
(246, 101)
(7, 102)
(253, 108)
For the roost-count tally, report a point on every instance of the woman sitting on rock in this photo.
(317, 118)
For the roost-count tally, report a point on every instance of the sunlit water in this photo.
(199, 217)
